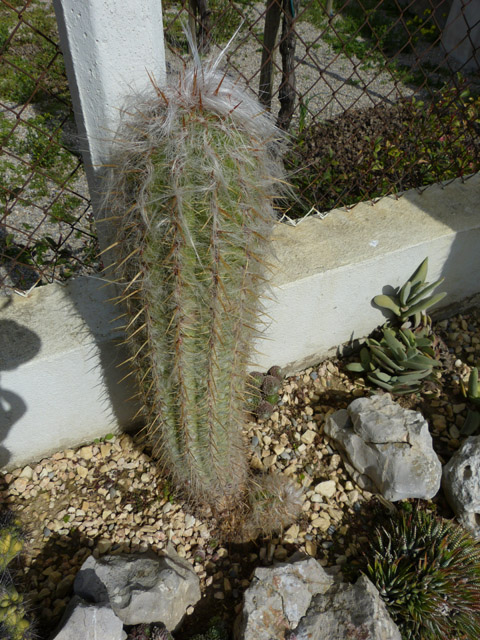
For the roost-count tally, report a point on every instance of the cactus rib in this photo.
(191, 189)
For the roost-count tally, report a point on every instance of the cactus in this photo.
(14, 624)
(262, 392)
(399, 361)
(274, 502)
(410, 302)
(427, 571)
(191, 185)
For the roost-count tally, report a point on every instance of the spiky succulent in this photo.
(409, 302)
(399, 361)
(274, 502)
(427, 571)
(191, 185)
(14, 624)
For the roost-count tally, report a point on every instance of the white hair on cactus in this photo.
(192, 177)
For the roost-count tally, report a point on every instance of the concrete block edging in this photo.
(59, 351)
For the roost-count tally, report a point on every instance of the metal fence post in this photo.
(110, 48)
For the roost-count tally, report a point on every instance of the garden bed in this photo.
(108, 497)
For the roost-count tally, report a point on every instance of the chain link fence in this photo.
(377, 96)
(45, 218)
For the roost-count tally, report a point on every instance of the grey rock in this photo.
(347, 612)
(278, 597)
(89, 622)
(389, 447)
(142, 587)
(461, 484)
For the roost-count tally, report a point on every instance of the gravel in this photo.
(107, 496)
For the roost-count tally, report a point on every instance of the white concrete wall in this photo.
(327, 271)
(461, 35)
(58, 346)
(111, 50)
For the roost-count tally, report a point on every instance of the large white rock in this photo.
(388, 445)
(89, 622)
(347, 611)
(142, 587)
(279, 597)
(461, 484)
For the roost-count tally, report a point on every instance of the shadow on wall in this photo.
(17, 346)
(91, 298)
(454, 207)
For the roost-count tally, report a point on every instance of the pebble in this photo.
(110, 494)
(326, 488)
(321, 523)
(308, 437)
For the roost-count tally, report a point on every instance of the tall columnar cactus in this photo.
(191, 187)
(14, 624)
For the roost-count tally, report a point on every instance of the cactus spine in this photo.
(191, 188)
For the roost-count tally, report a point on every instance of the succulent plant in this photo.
(427, 571)
(190, 189)
(274, 502)
(410, 301)
(399, 361)
(14, 624)
(217, 630)
(472, 391)
(262, 392)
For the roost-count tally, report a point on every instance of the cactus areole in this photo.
(190, 188)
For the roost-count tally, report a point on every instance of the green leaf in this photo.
(355, 367)
(395, 345)
(413, 377)
(421, 294)
(380, 355)
(380, 383)
(472, 391)
(387, 302)
(405, 292)
(471, 424)
(419, 275)
(420, 362)
(424, 304)
(365, 358)
(384, 377)
(407, 337)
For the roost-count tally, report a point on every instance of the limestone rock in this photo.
(89, 622)
(278, 597)
(388, 445)
(461, 484)
(347, 611)
(142, 587)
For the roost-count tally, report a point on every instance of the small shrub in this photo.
(427, 571)
(364, 154)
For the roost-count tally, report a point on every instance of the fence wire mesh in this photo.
(378, 96)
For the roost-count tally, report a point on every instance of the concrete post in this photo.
(109, 47)
(461, 36)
